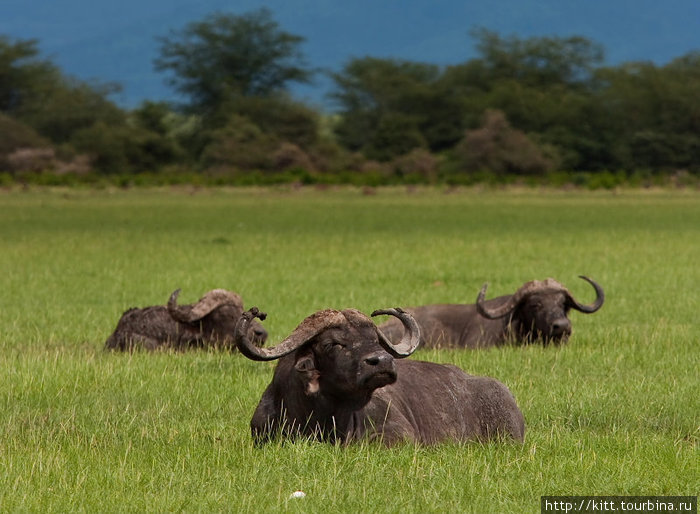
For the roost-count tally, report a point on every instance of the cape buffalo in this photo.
(338, 380)
(537, 312)
(210, 322)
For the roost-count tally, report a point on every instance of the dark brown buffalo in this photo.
(210, 322)
(338, 380)
(537, 312)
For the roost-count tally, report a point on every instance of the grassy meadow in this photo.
(616, 411)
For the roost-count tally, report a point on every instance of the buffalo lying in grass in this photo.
(210, 322)
(537, 312)
(338, 380)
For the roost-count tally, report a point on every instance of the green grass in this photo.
(616, 411)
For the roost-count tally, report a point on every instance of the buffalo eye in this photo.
(333, 345)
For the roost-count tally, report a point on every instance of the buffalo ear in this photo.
(306, 367)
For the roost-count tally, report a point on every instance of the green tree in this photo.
(154, 116)
(281, 116)
(168, 131)
(224, 56)
(36, 92)
(543, 61)
(545, 87)
(396, 134)
(390, 106)
(21, 73)
(240, 145)
(653, 112)
(71, 115)
(67, 105)
(125, 149)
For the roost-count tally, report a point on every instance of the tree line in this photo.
(538, 108)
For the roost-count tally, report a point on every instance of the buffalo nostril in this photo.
(377, 359)
(561, 326)
(373, 360)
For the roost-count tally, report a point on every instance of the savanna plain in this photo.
(616, 411)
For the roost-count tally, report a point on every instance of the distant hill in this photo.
(116, 41)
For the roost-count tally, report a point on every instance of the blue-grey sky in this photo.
(116, 41)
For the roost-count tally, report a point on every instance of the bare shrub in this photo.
(328, 156)
(419, 162)
(32, 159)
(501, 149)
(78, 165)
(289, 156)
(370, 166)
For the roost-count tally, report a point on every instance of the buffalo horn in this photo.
(206, 304)
(597, 304)
(411, 337)
(307, 329)
(494, 312)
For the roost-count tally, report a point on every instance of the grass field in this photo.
(614, 412)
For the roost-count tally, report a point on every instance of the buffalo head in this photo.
(338, 355)
(215, 315)
(539, 309)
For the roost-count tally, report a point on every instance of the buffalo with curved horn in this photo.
(339, 379)
(209, 322)
(537, 312)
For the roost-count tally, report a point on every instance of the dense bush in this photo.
(16, 136)
(241, 145)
